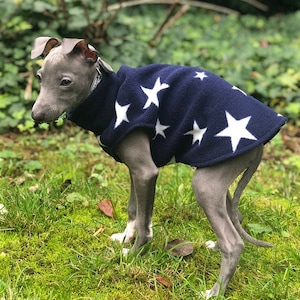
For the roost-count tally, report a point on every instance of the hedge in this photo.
(257, 53)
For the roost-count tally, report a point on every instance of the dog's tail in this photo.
(236, 198)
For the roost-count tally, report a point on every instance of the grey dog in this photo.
(158, 114)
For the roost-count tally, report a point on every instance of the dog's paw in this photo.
(118, 237)
(127, 235)
(121, 237)
(212, 245)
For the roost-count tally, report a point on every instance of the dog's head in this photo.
(66, 76)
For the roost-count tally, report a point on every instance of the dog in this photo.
(150, 116)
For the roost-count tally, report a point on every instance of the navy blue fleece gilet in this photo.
(194, 116)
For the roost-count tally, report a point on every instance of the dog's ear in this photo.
(70, 45)
(104, 65)
(43, 45)
(88, 51)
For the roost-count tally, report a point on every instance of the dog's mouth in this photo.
(37, 123)
(57, 121)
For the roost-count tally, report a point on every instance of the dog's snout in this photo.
(38, 116)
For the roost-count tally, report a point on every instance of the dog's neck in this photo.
(97, 78)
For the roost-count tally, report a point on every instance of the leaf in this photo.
(180, 247)
(106, 207)
(165, 282)
(66, 184)
(258, 229)
(33, 165)
(33, 188)
(74, 197)
(8, 154)
(99, 231)
(20, 180)
(285, 234)
(29, 271)
(3, 210)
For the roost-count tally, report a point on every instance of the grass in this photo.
(50, 185)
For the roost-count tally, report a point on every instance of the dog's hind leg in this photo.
(211, 190)
(230, 208)
(211, 195)
(236, 198)
(214, 245)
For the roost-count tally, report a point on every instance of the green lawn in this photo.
(54, 241)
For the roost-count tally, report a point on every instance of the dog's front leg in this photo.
(135, 152)
(127, 235)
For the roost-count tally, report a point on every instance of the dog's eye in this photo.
(65, 82)
(38, 77)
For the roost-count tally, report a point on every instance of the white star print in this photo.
(237, 89)
(236, 130)
(197, 133)
(159, 129)
(121, 113)
(200, 75)
(152, 93)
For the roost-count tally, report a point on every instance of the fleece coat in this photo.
(193, 116)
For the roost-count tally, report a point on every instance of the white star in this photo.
(237, 89)
(197, 133)
(152, 93)
(159, 129)
(121, 113)
(200, 75)
(236, 130)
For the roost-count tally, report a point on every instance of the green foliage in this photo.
(257, 54)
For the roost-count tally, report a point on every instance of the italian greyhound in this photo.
(150, 116)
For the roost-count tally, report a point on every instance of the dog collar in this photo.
(97, 77)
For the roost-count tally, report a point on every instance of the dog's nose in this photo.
(38, 116)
